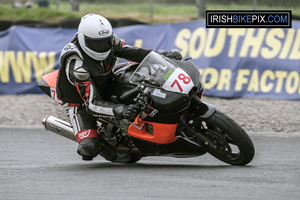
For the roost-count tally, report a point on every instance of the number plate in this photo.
(179, 81)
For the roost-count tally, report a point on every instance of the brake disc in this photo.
(222, 147)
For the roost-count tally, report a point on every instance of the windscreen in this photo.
(153, 69)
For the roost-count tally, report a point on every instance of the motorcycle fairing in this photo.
(182, 148)
(162, 133)
(171, 103)
(166, 115)
(48, 84)
(190, 68)
(161, 72)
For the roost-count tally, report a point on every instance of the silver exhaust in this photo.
(65, 129)
(59, 127)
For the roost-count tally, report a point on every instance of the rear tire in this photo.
(128, 158)
(134, 158)
(232, 143)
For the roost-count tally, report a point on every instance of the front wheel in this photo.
(226, 140)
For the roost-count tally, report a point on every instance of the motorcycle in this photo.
(173, 120)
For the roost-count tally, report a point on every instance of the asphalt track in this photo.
(37, 164)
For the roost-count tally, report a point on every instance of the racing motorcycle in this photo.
(173, 120)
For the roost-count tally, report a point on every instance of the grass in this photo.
(39, 14)
(163, 13)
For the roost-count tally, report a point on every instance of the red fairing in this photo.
(48, 85)
(163, 133)
(50, 78)
(86, 133)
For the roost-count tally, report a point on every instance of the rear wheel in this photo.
(224, 139)
(128, 158)
(134, 158)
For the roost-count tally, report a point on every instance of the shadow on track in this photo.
(143, 166)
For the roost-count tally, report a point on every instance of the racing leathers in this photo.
(81, 83)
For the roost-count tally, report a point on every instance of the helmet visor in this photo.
(98, 45)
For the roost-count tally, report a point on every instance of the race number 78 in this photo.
(184, 79)
(179, 82)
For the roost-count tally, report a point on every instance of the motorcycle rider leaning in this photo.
(85, 68)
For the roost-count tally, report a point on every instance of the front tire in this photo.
(230, 143)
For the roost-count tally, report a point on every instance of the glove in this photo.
(129, 112)
(173, 54)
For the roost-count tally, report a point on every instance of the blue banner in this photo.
(233, 62)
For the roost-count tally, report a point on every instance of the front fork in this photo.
(199, 112)
(202, 110)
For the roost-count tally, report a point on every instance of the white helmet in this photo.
(95, 36)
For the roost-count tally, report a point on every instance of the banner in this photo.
(234, 62)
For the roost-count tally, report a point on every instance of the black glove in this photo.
(173, 54)
(129, 112)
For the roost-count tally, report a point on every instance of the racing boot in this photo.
(89, 148)
(90, 145)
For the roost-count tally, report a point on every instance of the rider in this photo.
(85, 67)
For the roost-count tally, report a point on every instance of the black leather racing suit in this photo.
(82, 82)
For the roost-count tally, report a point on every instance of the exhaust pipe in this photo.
(65, 129)
(59, 127)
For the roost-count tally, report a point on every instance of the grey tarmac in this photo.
(38, 164)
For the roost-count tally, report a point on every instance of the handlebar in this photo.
(141, 94)
(130, 93)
